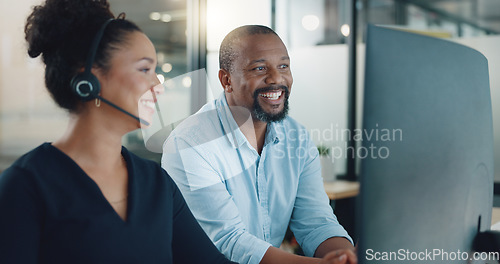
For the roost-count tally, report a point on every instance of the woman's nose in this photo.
(156, 81)
(158, 89)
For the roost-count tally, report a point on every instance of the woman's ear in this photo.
(225, 80)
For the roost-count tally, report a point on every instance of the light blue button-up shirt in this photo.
(245, 201)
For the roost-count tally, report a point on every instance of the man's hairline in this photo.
(235, 41)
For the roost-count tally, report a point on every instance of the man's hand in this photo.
(342, 256)
(278, 256)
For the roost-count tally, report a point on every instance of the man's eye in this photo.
(260, 68)
(283, 66)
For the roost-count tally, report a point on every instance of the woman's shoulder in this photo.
(139, 163)
(25, 169)
(32, 159)
(146, 170)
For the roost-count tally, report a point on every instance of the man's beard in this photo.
(262, 115)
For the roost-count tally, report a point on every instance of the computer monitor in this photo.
(426, 169)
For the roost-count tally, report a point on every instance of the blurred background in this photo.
(321, 36)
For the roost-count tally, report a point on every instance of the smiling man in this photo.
(247, 170)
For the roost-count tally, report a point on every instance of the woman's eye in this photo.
(145, 70)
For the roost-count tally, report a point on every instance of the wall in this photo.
(28, 117)
(319, 95)
(222, 17)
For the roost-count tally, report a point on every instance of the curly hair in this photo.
(62, 32)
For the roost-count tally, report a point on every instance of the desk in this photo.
(342, 199)
(341, 189)
(495, 216)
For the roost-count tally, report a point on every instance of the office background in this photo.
(187, 34)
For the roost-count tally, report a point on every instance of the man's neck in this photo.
(252, 128)
(260, 134)
(255, 132)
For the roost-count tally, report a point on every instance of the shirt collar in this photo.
(229, 126)
(233, 132)
(273, 132)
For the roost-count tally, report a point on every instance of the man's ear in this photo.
(225, 80)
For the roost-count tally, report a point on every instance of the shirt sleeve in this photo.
(20, 222)
(313, 220)
(211, 203)
(190, 243)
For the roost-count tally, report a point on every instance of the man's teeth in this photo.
(150, 104)
(272, 95)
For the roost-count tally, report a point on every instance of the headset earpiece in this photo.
(86, 86)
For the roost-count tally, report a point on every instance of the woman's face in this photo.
(131, 79)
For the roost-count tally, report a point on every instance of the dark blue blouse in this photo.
(51, 211)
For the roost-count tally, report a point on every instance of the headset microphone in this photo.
(86, 85)
(123, 110)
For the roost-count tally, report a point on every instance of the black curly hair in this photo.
(62, 32)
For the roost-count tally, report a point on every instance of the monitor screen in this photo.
(426, 169)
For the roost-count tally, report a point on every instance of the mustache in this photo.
(272, 88)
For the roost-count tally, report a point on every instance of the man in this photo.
(246, 170)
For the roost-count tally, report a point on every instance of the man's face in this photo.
(260, 79)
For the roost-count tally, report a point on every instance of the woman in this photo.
(84, 198)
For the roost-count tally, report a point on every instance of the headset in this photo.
(86, 86)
